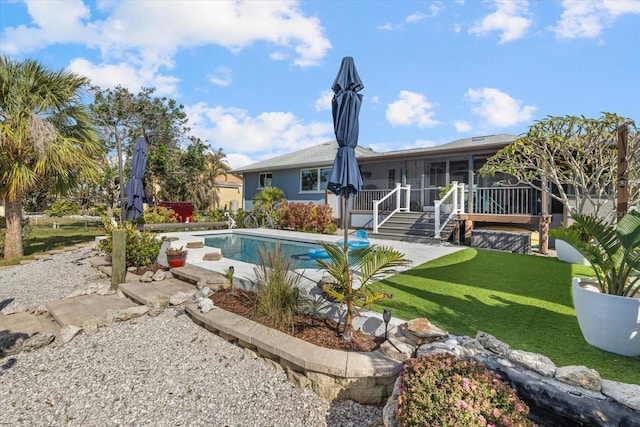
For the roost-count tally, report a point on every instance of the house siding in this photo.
(287, 180)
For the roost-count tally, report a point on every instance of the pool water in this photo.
(246, 248)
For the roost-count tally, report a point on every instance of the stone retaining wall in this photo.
(363, 377)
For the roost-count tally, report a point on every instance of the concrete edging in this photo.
(333, 374)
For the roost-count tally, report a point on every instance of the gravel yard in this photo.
(151, 371)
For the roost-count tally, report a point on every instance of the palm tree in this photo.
(364, 265)
(46, 138)
(205, 193)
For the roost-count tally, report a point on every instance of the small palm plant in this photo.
(614, 251)
(362, 264)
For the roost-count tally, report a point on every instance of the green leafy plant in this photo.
(362, 264)
(158, 215)
(444, 390)
(142, 248)
(331, 228)
(278, 296)
(442, 191)
(64, 208)
(229, 276)
(614, 251)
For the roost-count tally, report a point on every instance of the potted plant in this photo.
(567, 253)
(176, 257)
(607, 310)
(447, 204)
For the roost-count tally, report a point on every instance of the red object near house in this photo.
(183, 210)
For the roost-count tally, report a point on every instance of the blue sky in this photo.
(255, 76)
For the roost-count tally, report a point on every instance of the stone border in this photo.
(332, 374)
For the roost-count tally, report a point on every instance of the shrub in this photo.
(158, 215)
(321, 217)
(142, 248)
(331, 228)
(444, 390)
(64, 208)
(97, 211)
(305, 217)
(278, 297)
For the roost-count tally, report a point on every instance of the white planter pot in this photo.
(568, 253)
(609, 322)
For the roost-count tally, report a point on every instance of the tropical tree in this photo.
(47, 138)
(349, 266)
(577, 155)
(205, 193)
(122, 117)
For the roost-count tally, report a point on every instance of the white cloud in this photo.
(150, 33)
(499, 109)
(587, 19)
(126, 75)
(324, 102)
(222, 77)
(510, 19)
(238, 133)
(411, 109)
(462, 126)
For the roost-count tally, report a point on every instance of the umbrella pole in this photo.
(345, 197)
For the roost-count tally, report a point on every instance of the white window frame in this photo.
(318, 171)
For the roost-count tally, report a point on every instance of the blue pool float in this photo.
(360, 240)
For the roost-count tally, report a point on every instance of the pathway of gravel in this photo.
(152, 371)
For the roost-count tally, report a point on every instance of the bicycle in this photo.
(264, 217)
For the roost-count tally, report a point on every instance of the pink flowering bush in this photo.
(443, 390)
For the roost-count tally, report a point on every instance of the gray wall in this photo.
(286, 180)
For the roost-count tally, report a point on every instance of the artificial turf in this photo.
(523, 300)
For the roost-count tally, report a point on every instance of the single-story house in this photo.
(303, 175)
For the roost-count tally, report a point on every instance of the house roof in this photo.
(317, 155)
(324, 154)
(459, 146)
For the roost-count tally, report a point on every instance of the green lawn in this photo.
(42, 237)
(523, 300)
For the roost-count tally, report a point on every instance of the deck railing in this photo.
(506, 201)
(396, 201)
(448, 207)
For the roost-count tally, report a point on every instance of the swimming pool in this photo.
(245, 248)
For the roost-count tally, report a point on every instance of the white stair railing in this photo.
(451, 205)
(398, 207)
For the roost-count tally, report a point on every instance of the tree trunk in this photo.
(347, 335)
(13, 238)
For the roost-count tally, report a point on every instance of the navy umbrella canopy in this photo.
(345, 179)
(345, 176)
(134, 189)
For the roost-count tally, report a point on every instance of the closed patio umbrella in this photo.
(345, 179)
(134, 190)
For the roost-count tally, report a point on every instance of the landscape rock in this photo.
(180, 297)
(67, 333)
(627, 394)
(195, 245)
(397, 349)
(13, 309)
(490, 342)
(422, 331)
(131, 313)
(536, 362)
(580, 376)
(147, 277)
(206, 305)
(40, 310)
(159, 275)
(11, 343)
(90, 326)
(157, 305)
(39, 340)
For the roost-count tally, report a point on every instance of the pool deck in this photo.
(417, 253)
